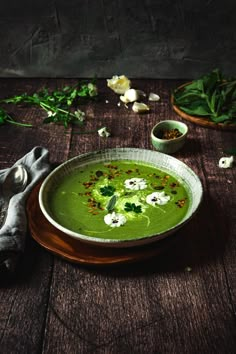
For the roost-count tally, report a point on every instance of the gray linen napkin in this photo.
(13, 231)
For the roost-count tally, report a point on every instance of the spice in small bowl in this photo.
(169, 136)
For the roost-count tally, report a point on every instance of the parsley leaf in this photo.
(107, 191)
(133, 207)
(59, 104)
(6, 118)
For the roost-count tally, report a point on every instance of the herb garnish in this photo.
(212, 96)
(59, 104)
(112, 202)
(107, 191)
(133, 207)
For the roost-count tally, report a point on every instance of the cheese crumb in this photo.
(226, 162)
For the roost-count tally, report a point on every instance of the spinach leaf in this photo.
(211, 96)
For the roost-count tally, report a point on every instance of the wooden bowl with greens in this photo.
(209, 101)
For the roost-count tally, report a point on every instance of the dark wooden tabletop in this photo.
(181, 301)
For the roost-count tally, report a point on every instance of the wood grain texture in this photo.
(181, 301)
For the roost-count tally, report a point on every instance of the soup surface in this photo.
(118, 200)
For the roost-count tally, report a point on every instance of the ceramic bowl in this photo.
(168, 146)
(163, 162)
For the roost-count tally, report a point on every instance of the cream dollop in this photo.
(135, 183)
(115, 219)
(157, 198)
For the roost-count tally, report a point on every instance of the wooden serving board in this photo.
(76, 251)
(205, 122)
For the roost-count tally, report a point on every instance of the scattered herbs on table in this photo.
(212, 96)
(58, 104)
(6, 118)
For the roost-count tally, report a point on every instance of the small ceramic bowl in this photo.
(174, 142)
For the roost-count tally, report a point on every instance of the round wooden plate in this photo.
(205, 122)
(76, 251)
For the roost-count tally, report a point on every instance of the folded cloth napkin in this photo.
(13, 231)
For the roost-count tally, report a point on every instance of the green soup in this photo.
(119, 200)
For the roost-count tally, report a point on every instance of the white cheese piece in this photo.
(226, 162)
(103, 132)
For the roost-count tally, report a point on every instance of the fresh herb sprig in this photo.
(211, 96)
(59, 104)
(133, 207)
(6, 118)
(111, 204)
(107, 191)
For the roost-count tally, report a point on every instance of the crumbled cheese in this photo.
(157, 198)
(103, 132)
(135, 183)
(226, 162)
(115, 219)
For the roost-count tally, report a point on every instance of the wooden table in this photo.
(181, 301)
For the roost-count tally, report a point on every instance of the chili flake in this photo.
(169, 134)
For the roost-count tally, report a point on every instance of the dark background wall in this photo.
(148, 38)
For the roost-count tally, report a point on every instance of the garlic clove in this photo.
(119, 84)
(131, 95)
(153, 97)
(124, 99)
(139, 107)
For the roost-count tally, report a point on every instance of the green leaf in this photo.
(58, 101)
(107, 191)
(133, 207)
(220, 119)
(112, 202)
(197, 109)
